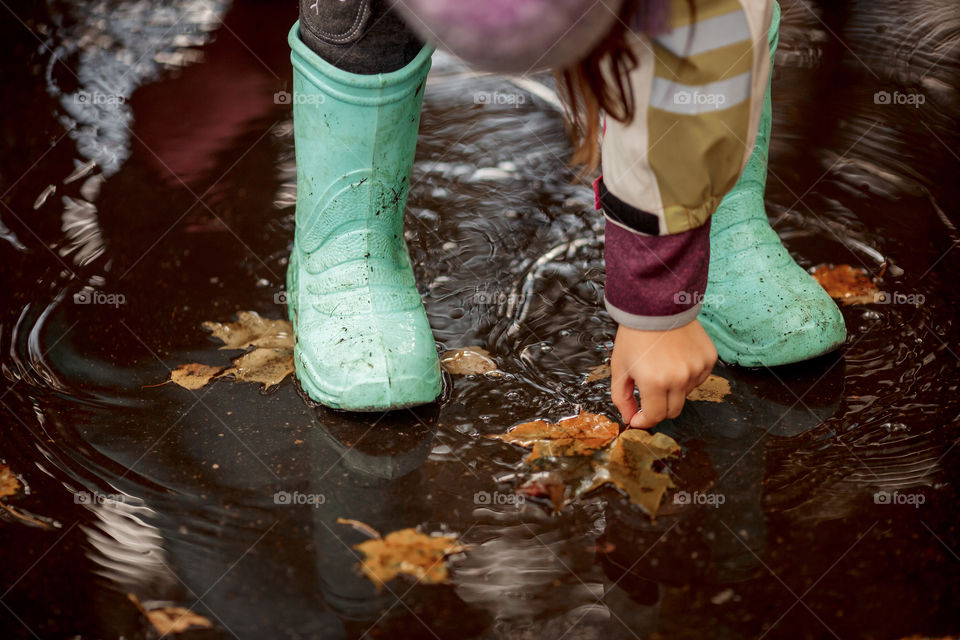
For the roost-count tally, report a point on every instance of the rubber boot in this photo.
(363, 341)
(760, 307)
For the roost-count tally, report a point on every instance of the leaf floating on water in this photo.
(407, 551)
(580, 435)
(847, 284)
(252, 330)
(194, 376)
(628, 464)
(600, 372)
(170, 619)
(267, 366)
(468, 360)
(9, 484)
(268, 362)
(713, 389)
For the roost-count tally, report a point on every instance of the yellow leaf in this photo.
(168, 620)
(194, 375)
(407, 551)
(267, 366)
(9, 484)
(252, 330)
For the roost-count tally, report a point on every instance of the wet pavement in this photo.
(838, 477)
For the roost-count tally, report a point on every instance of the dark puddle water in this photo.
(838, 476)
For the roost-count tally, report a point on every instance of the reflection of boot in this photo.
(363, 339)
(761, 308)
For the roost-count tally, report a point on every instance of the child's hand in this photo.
(663, 365)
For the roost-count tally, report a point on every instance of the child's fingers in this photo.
(675, 400)
(621, 391)
(653, 403)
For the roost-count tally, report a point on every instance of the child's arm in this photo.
(654, 290)
(698, 92)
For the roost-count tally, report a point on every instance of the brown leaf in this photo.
(194, 375)
(628, 464)
(600, 372)
(252, 330)
(713, 389)
(267, 366)
(407, 551)
(171, 619)
(579, 435)
(9, 484)
(847, 284)
(468, 360)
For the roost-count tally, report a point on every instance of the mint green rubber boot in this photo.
(760, 307)
(363, 341)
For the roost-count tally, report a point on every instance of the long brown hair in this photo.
(600, 82)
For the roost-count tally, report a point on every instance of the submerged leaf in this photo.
(847, 284)
(407, 551)
(193, 376)
(170, 619)
(628, 464)
(574, 436)
(468, 360)
(599, 372)
(9, 484)
(713, 389)
(252, 330)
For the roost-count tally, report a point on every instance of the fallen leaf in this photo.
(267, 366)
(252, 330)
(468, 360)
(407, 551)
(170, 619)
(599, 372)
(713, 389)
(194, 375)
(847, 284)
(575, 436)
(628, 464)
(9, 484)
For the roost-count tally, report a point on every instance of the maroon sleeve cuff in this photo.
(655, 283)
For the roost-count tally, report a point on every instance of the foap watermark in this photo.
(98, 97)
(715, 100)
(490, 297)
(501, 98)
(285, 97)
(92, 296)
(486, 498)
(899, 98)
(297, 498)
(697, 297)
(897, 498)
(93, 497)
(710, 499)
(895, 297)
